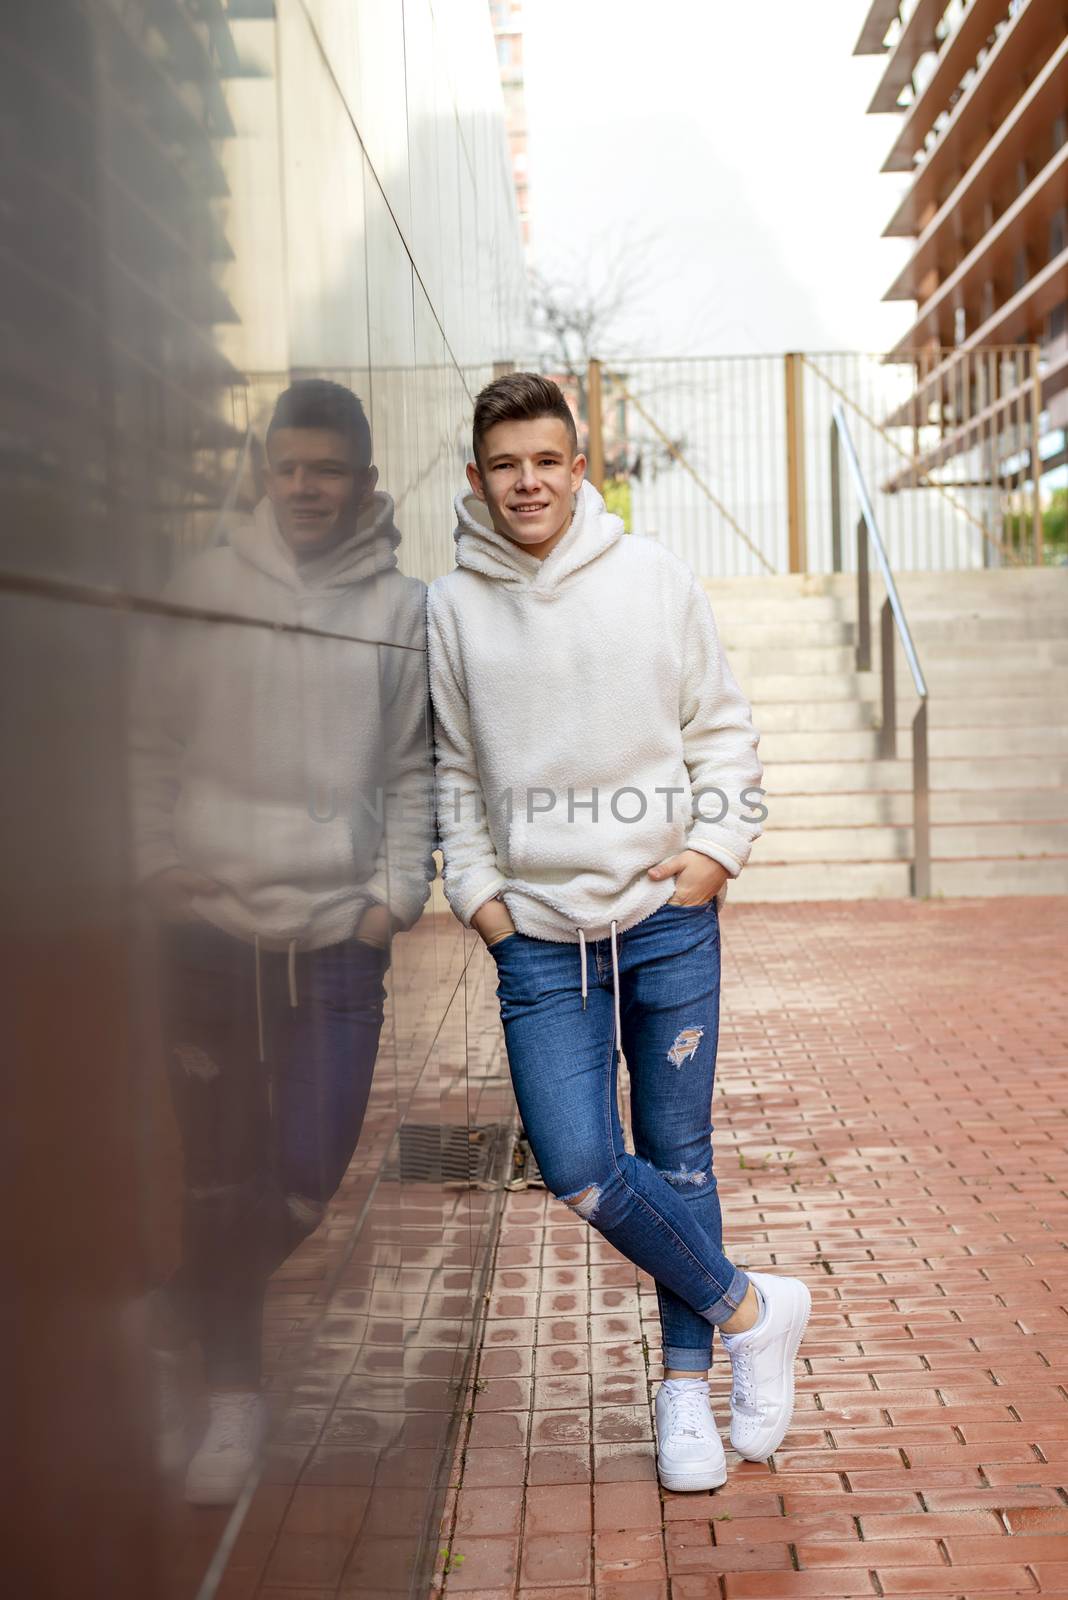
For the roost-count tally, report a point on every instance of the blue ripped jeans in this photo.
(660, 1206)
(270, 1069)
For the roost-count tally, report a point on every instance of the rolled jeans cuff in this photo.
(723, 1309)
(678, 1358)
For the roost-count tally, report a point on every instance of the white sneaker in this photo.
(230, 1449)
(170, 1382)
(149, 1324)
(689, 1449)
(762, 1365)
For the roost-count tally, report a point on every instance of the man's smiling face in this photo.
(316, 487)
(528, 475)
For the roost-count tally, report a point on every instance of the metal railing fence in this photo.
(725, 458)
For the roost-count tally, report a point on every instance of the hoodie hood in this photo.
(578, 742)
(368, 551)
(479, 547)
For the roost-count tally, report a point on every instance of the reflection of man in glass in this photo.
(281, 826)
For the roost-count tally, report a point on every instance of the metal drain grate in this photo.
(526, 1174)
(427, 1152)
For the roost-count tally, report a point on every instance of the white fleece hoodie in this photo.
(594, 676)
(293, 770)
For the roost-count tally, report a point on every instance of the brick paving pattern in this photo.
(891, 1124)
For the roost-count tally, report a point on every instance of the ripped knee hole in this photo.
(584, 1203)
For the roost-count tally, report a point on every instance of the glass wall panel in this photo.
(265, 252)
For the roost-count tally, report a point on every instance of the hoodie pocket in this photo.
(636, 824)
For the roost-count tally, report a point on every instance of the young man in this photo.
(281, 778)
(597, 786)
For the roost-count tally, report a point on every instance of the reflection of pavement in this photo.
(370, 1322)
(891, 1124)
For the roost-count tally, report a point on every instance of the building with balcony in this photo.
(980, 95)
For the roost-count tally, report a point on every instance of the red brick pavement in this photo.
(891, 1123)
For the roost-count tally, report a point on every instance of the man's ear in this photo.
(578, 472)
(370, 481)
(474, 478)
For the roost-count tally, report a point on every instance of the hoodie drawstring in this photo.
(294, 1000)
(615, 994)
(615, 983)
(259, 999)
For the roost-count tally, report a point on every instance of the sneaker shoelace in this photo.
(689, 1412)
(233, 1422)
(170, 1393)
(744, 1381)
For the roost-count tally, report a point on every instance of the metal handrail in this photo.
(892, 616)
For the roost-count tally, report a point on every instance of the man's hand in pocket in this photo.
(698, 878)
(492, 922)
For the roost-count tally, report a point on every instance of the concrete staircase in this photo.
(993, 646)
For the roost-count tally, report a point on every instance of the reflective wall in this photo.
(259, 258)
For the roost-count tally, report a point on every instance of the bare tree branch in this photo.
(595, 307)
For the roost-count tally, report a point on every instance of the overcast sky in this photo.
(733, 134)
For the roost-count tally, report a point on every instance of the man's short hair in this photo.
(520, 397)
(318, 403)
